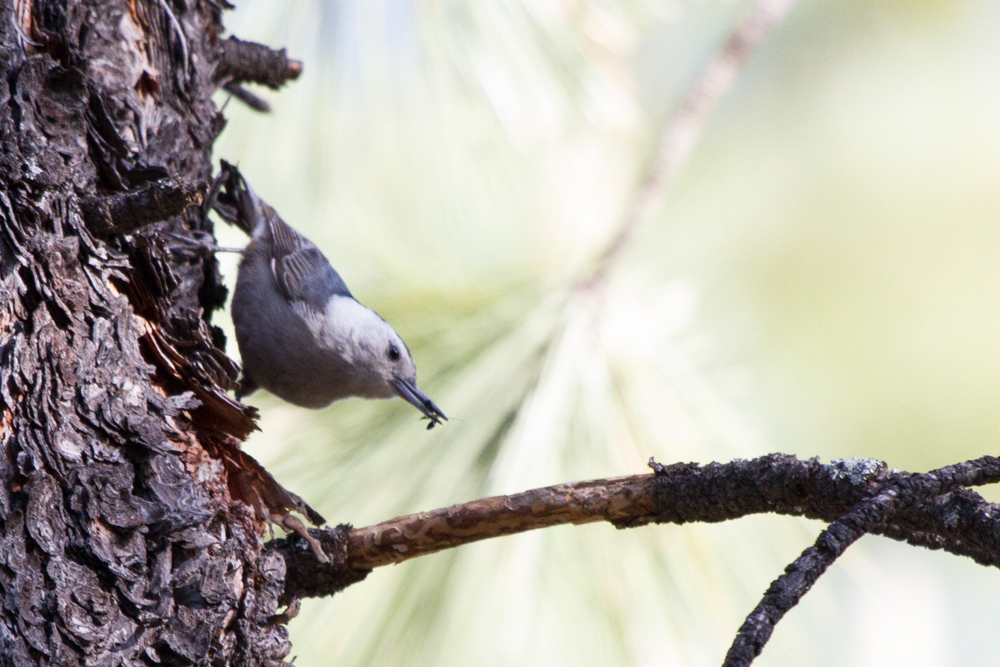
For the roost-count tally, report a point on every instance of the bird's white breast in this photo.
(344, 327)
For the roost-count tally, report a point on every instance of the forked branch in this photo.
(856, 496)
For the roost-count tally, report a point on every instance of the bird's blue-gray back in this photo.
(301, 270)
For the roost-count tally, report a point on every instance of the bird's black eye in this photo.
(393, 353)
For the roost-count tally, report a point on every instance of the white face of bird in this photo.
(378, 357)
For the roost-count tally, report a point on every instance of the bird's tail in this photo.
(234, 200)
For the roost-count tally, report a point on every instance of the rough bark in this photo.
(131, 527)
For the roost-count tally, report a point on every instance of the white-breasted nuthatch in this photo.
(301, 333)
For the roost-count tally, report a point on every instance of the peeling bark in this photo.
(129, 532)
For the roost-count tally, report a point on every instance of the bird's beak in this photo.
(412, 395)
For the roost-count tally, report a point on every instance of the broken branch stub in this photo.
(119, 214)
(248, 61)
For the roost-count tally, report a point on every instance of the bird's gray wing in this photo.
(301, 270)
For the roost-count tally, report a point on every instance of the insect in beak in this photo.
(409, 392)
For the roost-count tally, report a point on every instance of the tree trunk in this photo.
(130, 531)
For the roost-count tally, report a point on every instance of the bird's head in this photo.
(379, 361)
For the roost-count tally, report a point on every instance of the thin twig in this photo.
(961, 522)
(681, 134)
(243, 95)
(786, 591)
(977, 472)
(964, 546)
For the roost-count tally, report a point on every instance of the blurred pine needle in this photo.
(461, 164)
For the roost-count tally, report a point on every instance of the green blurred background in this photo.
(822, 279)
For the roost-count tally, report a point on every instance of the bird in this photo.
(301, 333)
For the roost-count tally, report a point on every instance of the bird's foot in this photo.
(293, 524)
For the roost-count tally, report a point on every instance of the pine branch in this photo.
(934, 505)
(679, 137)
